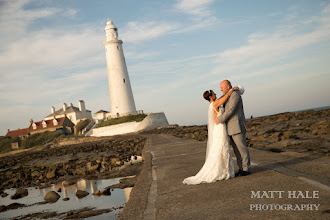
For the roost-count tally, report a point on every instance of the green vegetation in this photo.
(30, 141)
(81, 125)
(124, 119)
(5, 145)
(39, 139)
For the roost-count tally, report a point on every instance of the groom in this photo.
(236, 128)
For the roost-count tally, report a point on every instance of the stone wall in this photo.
(151, 121)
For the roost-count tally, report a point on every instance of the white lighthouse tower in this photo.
(121, 96)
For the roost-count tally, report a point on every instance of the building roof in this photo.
(101, 111)
(49, 123)
(69, 109)
(17, 133)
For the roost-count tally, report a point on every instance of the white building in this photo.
(121, 95)
(100, 114)
(73, 113)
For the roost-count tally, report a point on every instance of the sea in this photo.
(315, 109)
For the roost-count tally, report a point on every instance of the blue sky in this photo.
(52, 52)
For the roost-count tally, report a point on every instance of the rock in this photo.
(20, 193)
(3, 208)
(114, 160)
(66, 199)
(80, 194)
(4, 195)
(69, 213)
(9, 173)
(315, 132)
(97, 193)
(106, 192)
(44, 185)
(51, 196)
(321, 131)
(68, 183)
(59, 190)
(35, 173)
(51, 174)
(125, 182)
(91, 168)
(81, 171)
(13, 206)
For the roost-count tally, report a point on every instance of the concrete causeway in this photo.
(289, 185)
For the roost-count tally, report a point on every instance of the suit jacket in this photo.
(234, 114)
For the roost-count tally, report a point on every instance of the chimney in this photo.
(64, 107)
(31, 121)
(53, 110)
(81, 105)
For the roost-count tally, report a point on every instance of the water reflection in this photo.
(118, 198)
(128, 192)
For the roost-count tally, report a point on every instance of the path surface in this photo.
(160, 194)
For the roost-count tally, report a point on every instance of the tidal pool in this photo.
(118, 198)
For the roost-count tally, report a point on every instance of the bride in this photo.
(218, 162)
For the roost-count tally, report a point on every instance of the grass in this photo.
(39, 139)
(31, 141)
(5, 144)
(124, 119)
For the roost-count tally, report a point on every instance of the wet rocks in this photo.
(84, 161)
(81, 194)
(105, 192)
(125, 183)
(11, 206)
(51, 173)
(51, 196)
(20, 193)
(97, 193)
(91, 168)
(3, 195)
(68, 183)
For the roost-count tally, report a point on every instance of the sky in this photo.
(52, 52)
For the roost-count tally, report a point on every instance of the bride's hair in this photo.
(207, 94)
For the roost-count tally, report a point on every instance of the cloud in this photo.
(265, 48)
(138, 31)
(198, 8)
(48, 64)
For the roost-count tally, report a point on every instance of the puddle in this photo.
(118, 197)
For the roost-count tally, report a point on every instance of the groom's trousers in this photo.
(238, 142)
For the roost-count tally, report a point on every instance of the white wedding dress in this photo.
(218, 163)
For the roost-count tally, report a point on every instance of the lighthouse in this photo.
(121, 95)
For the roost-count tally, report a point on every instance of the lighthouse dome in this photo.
(110, 25)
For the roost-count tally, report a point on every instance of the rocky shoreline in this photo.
(307, 131)
(90, 160)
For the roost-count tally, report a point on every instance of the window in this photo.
(44, 124)
(117, 47)
(55, 123)
(34, 126)
(124, 80)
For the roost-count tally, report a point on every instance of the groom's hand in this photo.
(216, 121)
